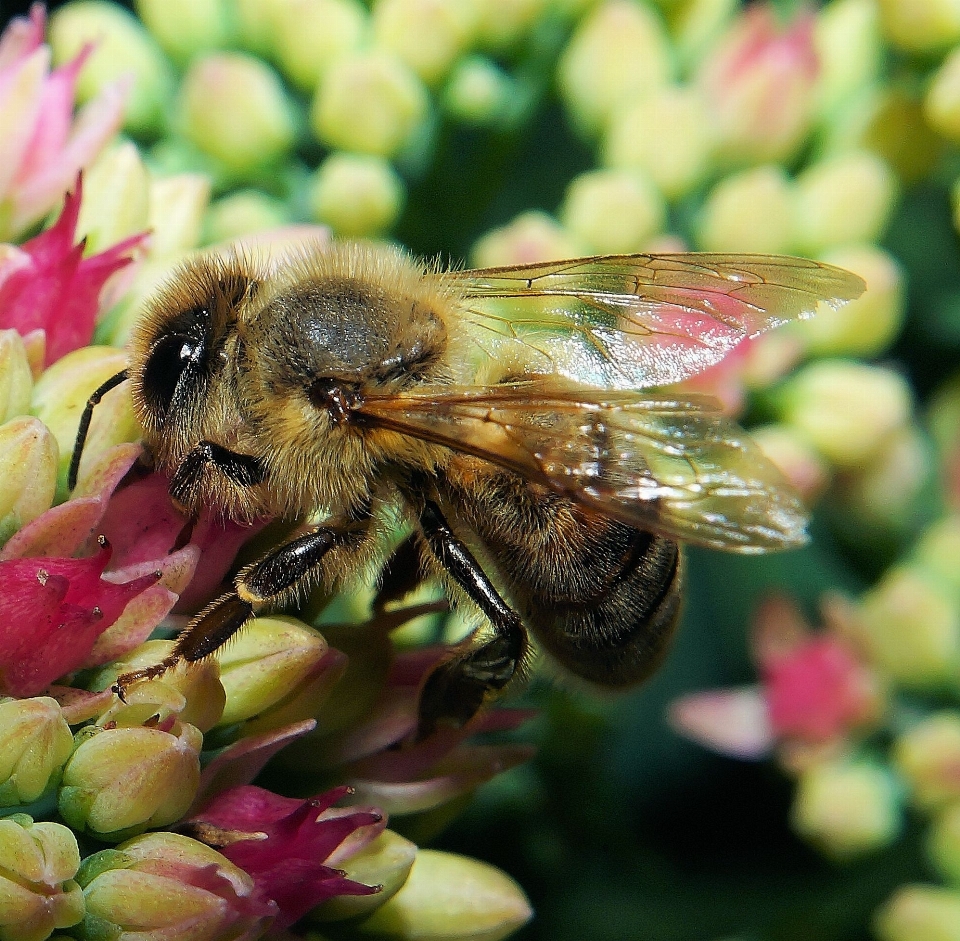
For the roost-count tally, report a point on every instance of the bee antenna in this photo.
(85, 419)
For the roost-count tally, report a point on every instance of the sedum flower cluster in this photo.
(275, 789)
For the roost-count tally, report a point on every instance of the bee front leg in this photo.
(456, 690)
(263, 584)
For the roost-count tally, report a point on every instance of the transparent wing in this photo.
(634, 321)
(670, 465)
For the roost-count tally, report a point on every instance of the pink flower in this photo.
(290, 847)
(44, 146)
(48, 285)
(760, 82)
(52, 610)
(815, 691)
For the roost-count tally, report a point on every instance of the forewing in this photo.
(635, 321)
(670, 465)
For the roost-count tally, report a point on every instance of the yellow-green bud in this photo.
(794, 458)
(751, 211)
(177, 207)
(919, 913)
(148, 888)
(255, 22)
(911, 627)
(371, 103)
(427, 35)
(357, 195)
(665, 134)
(61, 394)
(613, 211)
(867, 325)
(116, 197)
(264, 667)
(37, 890)
(846, 808)
(123, 780)
(29, 460)
(921, 25)
(35, 743)
(448, 896)
(943, 842)
(942, 103)
(307, 35)
(16, 379)
(927, 756)
(234, 108)
(696, 24)
(531, 236)
(122, 47)
(479, 91)
(185, 28)
(937, 551)
(618, 53)
(842, 200)
(503, 23)
(845, 409)
(240, 213)
(846, 37)
(386, 861)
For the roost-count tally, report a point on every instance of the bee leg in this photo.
(242, 469)
(456, 690)
(261, 584)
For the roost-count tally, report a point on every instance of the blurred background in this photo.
(499, 132)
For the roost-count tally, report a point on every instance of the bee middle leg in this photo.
(457, 689)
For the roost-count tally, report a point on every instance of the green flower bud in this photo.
(943, 842)
(185, 28)
(613, 211)
(480, 92)
(846, 808)
(38, 862)
(937, 551)
(35, 743)
(264, 666)
(357, 195)
(618, 53)
(942, 103)
(255, 23)
(371, 103)
(122, 47)
(307, 35)
(845, 409)
(665, 134)
(911, 628)
(842, 200)
(531, 236)
(865, 326)
(167, 887)
(846, 37)
(28, 472)
(426, 35)
(177, 207)
(751, 211)
(116, 197)
(503, 23)
(927, 756)
(794, 458)
(16, 379)
(242, 212)
(447, 897)
(234, 108)
(695, 25)
(919, 913)
(123, 780)
(386, 861)
(61, 394)
(921, 25)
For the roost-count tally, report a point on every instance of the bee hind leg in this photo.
(457, 689)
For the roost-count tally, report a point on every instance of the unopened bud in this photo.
(357, 195)
(928, 758)
(35, 743)
(751, 211)
(613, 211)
(937, 552)
(943, 842)
(501, 24)
(242, 212)
(28, 472)
(919, 913)
(185, 28)
(921, 26)
(116, 197)
(695, 26)
(371, 103)
(847, 40)
(16, 378)
(177, 207)
(479, 91)
(531, 236)
(794, 458)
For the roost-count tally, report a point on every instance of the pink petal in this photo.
(22, 36)
(21, 90)
(733, 722)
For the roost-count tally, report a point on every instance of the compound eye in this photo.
(169, 359)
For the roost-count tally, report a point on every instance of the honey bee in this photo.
(508, 416)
